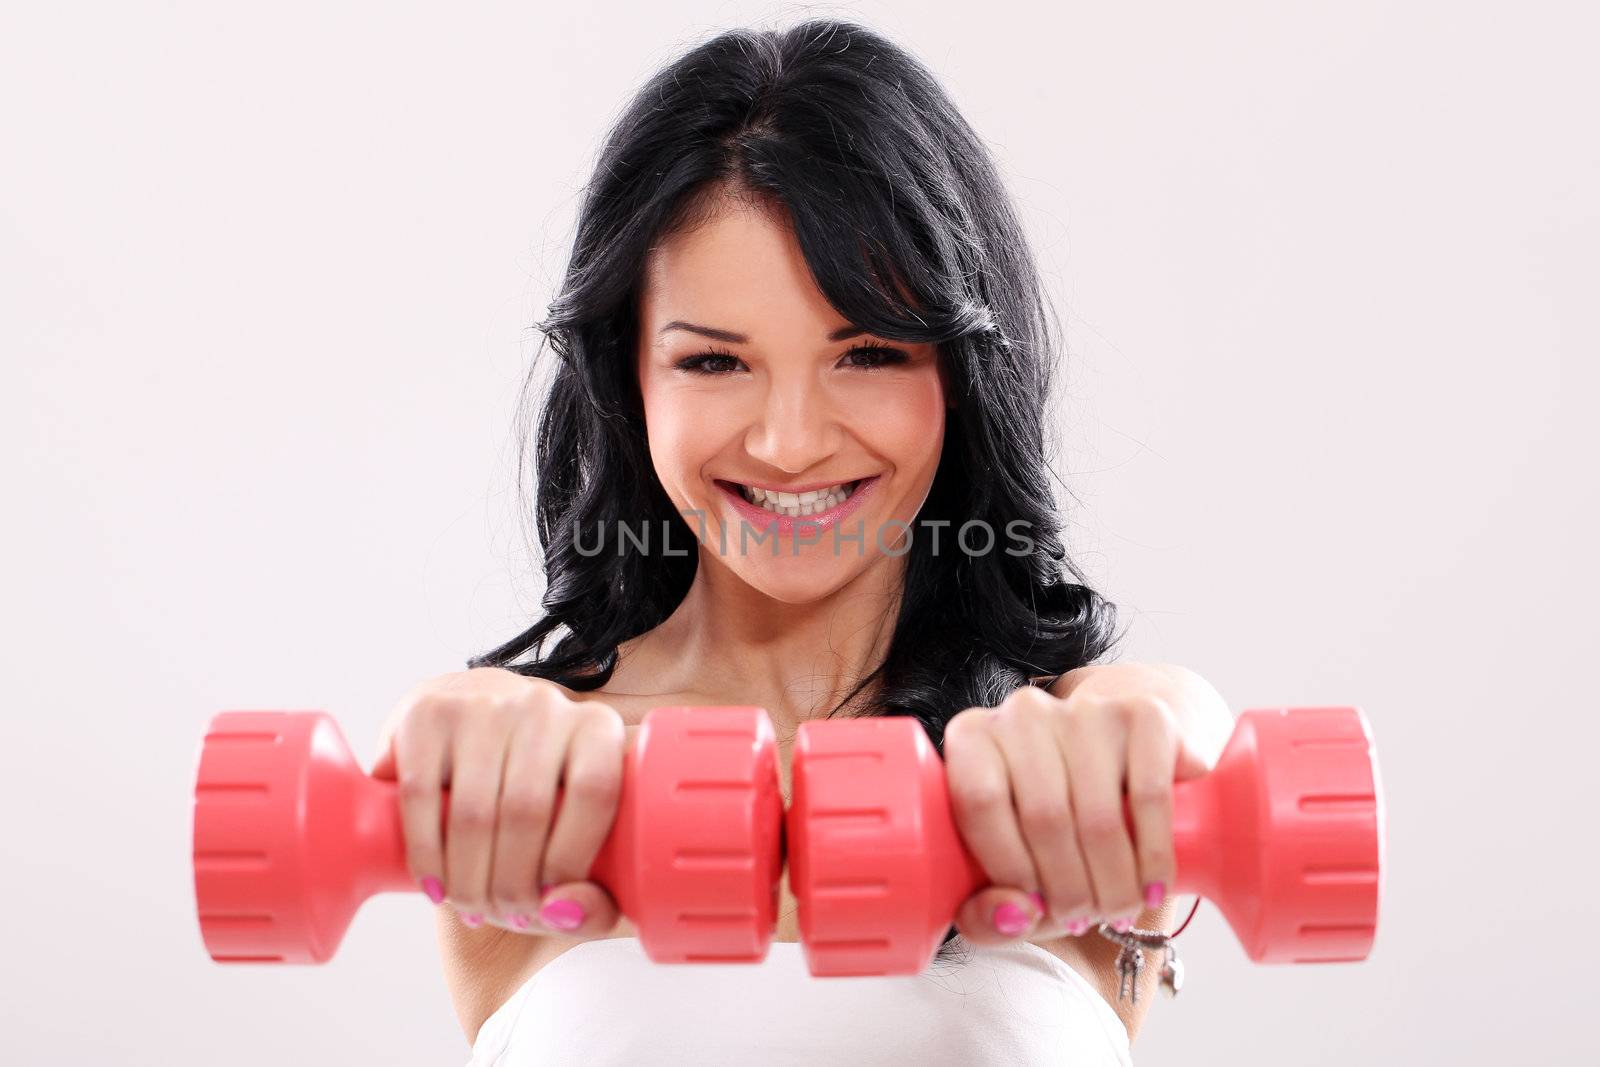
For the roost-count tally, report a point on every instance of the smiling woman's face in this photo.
(751, 388)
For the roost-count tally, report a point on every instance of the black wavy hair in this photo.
(909, 233)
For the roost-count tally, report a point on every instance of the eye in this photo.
(875, 356)
(712, 362)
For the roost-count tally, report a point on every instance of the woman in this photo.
(794, 455)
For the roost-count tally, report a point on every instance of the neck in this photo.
(732, 643)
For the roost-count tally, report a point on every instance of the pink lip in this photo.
(761, 518)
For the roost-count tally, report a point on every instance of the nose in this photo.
(796, 427)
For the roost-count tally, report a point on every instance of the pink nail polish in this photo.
(1038, 902)
(472, 920)
(562, 914)
(1010, 919)
(434, 889)
(1122, 926)
(518, 920)
(1077, 926)
(1154, 894)
(545, 888)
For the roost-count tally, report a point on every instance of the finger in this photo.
(1038, 773)
(996, 915)
(421, 761)
(578, 909)
(1095, 768)
(522, 826)
(980, 800)
(384, 763)
(476, 769)
(1190, 763)
(1152, 752)
(591, 792)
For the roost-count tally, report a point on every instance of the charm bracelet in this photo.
(1130, 958)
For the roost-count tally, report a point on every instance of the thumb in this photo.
(997, 915)
(577, 909)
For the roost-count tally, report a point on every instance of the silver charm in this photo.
(1171, 972)
(1130, 960)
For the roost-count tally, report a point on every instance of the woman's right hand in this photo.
(503, 743)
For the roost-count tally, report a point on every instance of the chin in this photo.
(796, 580)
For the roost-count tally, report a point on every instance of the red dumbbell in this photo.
(1284, 835)
(290, 837)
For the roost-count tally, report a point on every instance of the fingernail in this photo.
(562, 914)
(518, 920)
(1038, 902)
(1077, 926)
(1122, 926)
(1154, 894)
(434, 889)
(472, 920)
(1010, 919)
(545, 888)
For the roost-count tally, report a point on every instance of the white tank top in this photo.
(603, 1002)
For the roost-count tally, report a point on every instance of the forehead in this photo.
(741, 269)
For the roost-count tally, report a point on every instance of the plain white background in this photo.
(1327, 272)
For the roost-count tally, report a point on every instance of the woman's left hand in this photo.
(1036, 787)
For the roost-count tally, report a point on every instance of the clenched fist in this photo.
(1037, 787)
(503, 743)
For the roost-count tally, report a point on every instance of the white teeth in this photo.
(796, 505)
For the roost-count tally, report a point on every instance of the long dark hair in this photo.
(909, 233)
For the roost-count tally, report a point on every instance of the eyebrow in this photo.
(844, 333)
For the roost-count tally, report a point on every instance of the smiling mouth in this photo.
(798, 505)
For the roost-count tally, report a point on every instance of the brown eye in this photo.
(867, 357)
(708, 363)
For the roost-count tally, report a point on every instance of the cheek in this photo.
(907, 424)
(684, 429)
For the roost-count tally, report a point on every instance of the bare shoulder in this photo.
(628, 689)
